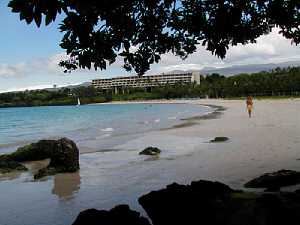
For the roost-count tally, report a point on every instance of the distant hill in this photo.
(237, 69)
(85, 84)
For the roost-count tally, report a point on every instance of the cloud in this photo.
(38, 66)
(50, 64)
(16, 70)
(271, 48)
(35, 87)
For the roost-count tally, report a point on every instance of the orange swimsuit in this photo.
(249, 104)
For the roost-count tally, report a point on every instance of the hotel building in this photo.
(146, 81)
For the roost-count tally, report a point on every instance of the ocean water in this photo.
(92, 127)
(111, 170)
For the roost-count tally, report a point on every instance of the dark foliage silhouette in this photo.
(140, 31)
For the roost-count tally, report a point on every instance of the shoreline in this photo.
(219, 107)
(12, 146)
(156, 101)
(267, 142)
(216, 112)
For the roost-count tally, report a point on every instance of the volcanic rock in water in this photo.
(214, 203)
(63, 154)
(40, 150)
(121, 214)
(219, 139)
(181, 204)
(64, 158)
(202, 202)
(7, 166)
(275, 180)
(150, 151)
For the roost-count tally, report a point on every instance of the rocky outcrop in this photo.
(193, 204)
(64, 158)
(7, 166)
(275, 180)
(150, 151)
(219, 139)
(203, 202)
(213, 203)
(63, 155)
(119, 215)
(40, 150)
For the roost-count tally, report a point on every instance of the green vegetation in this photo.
(278, 83)
(7, 166)
(57, 97)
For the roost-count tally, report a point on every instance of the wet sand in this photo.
(267, 142)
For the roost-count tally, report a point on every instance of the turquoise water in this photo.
(92, 127)
(106, 178)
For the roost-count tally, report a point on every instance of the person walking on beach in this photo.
(249, 103)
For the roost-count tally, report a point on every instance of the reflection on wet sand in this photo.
(66, 185)
(32, 166)
(35, 166)
(10, 176)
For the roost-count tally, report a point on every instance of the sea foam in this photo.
(108, 129)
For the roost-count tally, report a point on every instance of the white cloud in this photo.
(16, 70)
(271, 48)
(38, 66)
(51, 63)
(36, 87)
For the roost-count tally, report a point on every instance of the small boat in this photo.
(78, 102)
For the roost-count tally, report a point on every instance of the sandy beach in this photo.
(267, 142)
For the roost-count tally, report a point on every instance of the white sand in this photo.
(267, 142)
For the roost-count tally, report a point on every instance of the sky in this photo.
(29, 56)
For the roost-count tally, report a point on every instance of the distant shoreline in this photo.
(155, 101)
